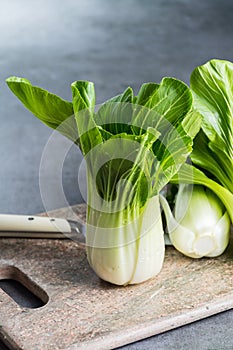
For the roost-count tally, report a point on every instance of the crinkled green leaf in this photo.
(192, 123)
(212, 87)
(115, 115)
(205, 158)
(147, 95)
(166, 103)
(83, 95)
(83, 105)
(49, 108)
(173, 148)
(168, 110)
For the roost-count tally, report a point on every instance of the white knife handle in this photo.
(32, 223)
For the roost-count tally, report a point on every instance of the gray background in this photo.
(114, 44)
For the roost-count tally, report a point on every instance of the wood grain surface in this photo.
(84, 312)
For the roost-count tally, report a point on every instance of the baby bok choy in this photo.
(200, 225)
(212, 166)
(132, 146)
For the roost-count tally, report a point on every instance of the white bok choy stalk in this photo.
(200, 225)
(132, 146)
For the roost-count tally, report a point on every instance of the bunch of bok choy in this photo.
(133, 146)
(203, 214)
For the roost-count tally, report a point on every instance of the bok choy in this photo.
(200, 225)
(212, 165)
(133, 146)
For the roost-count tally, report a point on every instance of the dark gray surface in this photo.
(114, 44)
(3, 346)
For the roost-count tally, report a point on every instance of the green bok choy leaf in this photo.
(212, 88)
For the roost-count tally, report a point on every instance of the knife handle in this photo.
(21, 223)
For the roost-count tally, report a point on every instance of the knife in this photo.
(41, 227)
(24, 226)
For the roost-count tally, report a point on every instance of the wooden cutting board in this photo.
(84, 312)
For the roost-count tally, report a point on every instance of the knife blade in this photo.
(32, 226)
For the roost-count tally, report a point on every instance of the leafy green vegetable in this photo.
(49, 108)
(212, 158)
(200, 225)
(132, 145)
(212, 87)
